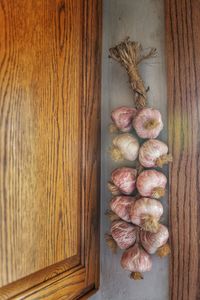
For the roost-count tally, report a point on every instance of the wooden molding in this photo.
(78, 275)
(183, 79)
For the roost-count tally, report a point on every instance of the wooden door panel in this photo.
(49, 154)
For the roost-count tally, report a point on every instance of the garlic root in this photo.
(111, 215)
(113, 189)
(111, 242)
(151, 124)
(163, 160)
(158, 192)
(164, 250)
(113, 128)
(136, 276)
(116, 154)
(149, 223)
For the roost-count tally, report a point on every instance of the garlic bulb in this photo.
(146, 213)
(151, 183)
(135, 259)
(153, 153)
(125, 146)
(148, 123)
(123, 117)
(124, 234)
(152, 241)
(121, 206)
(124, 179)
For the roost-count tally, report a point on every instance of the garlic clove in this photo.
(124, 179)
(146, 213)
(135, 259)
(151, 183)
(121, 206)
(148, 123)
(125, 146)
(124, 233)
(123, 117)
(153, 153)
(151, 242)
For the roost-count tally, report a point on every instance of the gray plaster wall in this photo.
(143, 21)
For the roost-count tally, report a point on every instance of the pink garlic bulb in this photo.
(124, 179)
(123, 117)
(148, 123)
(146, 213)
(135, 259)
(152, 241)
(151, 183)
(153, 153)
(126, 146)
(121, 206)
(124, 234)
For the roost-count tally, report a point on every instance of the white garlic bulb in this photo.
(153, 153)
(135, 259)
(123, 117)
(121, 206)
(148, 123)
(124, 233)
(146, 213)
(124, 180)
(151, 183)
(152, 241)
(126, 146)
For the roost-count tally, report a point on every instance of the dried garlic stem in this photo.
(164, 250)
(129, 55)
(163, 160)
(111, 215)
(113, 128)
(136, 276)
(158, 192)
(113, 189)
(149, 223)
(116, 154)
(111, 242)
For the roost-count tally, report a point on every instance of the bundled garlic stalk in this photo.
(125, 146)
(154, 153)
(151, 183)
(136, 226)
(123, 181)
(122, 118)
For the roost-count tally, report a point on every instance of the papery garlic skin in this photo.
(124, 179)
(152, 241)
(150, 151)
(127, 145)
(123, 117)
(121, 206)
(151, 183)
(143, 208)
(135, 259)
(148, 123)
(124, 233)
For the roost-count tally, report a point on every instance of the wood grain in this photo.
(183, 65)
(50, 58)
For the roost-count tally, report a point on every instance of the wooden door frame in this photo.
(47, 284)
(183, 77)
